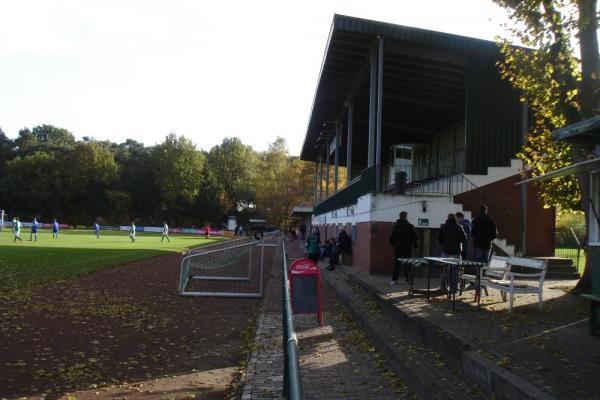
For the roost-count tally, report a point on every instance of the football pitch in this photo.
(26, 264)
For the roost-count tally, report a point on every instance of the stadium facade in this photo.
(421, 121)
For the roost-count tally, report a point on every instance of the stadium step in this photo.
(560, 268)
(426, 371)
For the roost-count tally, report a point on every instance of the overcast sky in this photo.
(204, 69)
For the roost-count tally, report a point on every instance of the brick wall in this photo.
(503, 199)
(382, 254)
(371, 251)
(361, 249)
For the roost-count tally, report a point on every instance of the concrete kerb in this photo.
(505, 384)
(473, 366)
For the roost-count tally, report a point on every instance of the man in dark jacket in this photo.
(483, 232)
(403, 238)
(451, 237)
(466, 225)
(345, 246)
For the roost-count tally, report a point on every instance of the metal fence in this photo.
(233, 271)
(570, 246)
(292, 385)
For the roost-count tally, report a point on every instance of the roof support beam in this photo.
(350, 111)
(336, 156)
(379, 112)
(372, 107)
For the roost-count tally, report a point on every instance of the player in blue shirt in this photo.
(97, 230)
(34, 229)
(54, 230)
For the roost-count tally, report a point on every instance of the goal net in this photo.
(235, 270)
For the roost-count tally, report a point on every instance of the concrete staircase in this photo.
(560, 268)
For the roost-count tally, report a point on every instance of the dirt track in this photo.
(125, 324)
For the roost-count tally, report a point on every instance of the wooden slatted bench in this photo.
(594, 304)
(512, 283)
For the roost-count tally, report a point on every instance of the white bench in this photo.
(511, 283)
(497, 267)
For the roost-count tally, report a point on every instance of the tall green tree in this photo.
(46, 138)
(210, 202)
(177, 169)
(134, 196)
(32, 186)
(559, 88)
(284, 183)
(233, 165)
(88, 172)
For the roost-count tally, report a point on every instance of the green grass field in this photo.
(26, 264)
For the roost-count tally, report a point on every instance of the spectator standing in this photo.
(345, 246)
(451, 237)
(97, 230)
(34, 230)
(302, 230)
(55, 227)
(466, 225)
(312, 246)
(483, 232)
(207, 231)
(403, 238)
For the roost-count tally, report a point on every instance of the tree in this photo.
(32, 186)
(88, 172)
(233, 164)
(559, 88)
(210, 201)
(6, 151)
(177, 169)
(136, 179)
(284, 182)
(45, 138)
(51, 135)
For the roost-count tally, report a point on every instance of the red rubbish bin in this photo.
(305, 288)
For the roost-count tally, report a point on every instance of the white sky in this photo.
(204, 69)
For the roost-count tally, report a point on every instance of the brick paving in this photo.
(552, 350)
(263, 378)
(336, 360)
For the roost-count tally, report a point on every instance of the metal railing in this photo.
(292, 385)
(359, 186)
(570, 249)
(220, 245)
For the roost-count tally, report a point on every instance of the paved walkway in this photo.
(336, 360)
(551, 351)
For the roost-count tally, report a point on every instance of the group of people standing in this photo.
(455, 237)
(17, 226)
(33, 236)
(332, 248)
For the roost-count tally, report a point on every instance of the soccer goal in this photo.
(220, 245)
(233, 271)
